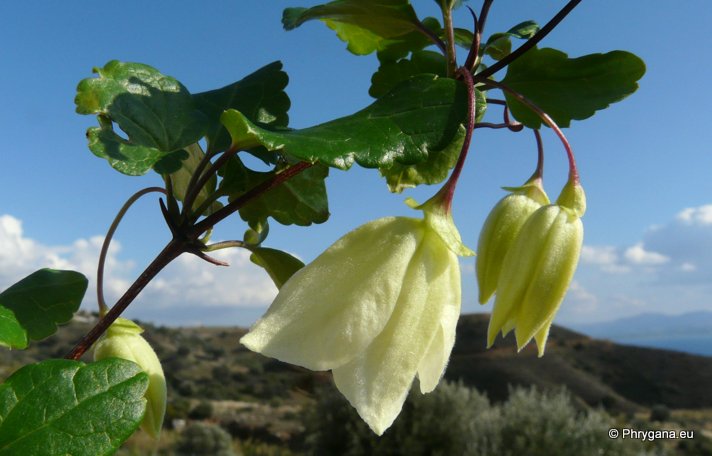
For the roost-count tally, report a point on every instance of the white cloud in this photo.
(638, 255)
(670, 267)
(192, 281)
(187, 284)
(701, 215)
(605, 257)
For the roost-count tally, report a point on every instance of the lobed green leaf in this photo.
(33, 307)
(63, 407)
(366, 25)
(570, 89)
(301, 200)
(436, 168)
(390, 73)
(420, 115)
(156, 112)
(260, 96)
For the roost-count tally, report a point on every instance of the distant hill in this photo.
(690, 332)
(618, 377)
(209, 363)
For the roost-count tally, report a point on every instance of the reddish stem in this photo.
(448, 190)
(573, 171)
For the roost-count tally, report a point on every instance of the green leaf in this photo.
(390, 74)
(435, 169)
(181, 178)
(499, 45)
(62, 407)
(12, 334)
(399, 47)
(432, 171)
(365, 25)
(420, 115)
(570, 89)
(33, 307)
(260, 96)
(524, 30)
(300, 200)
(126, 157)
(154, 111)
(279, 265)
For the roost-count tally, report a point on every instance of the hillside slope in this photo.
(209, 363)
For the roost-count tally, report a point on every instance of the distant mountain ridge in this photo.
(690, 332)
(651, 325)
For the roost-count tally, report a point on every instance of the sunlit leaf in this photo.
(570, 89)
(365, 25)
(260, 96)
(300, 200)
(62, 407)
(390, 74)
(155, 112)
(32, 308)
(420, 115)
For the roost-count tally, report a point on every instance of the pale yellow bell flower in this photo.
(123, 340)
(500, 231)
(378, 308)
(537, 270)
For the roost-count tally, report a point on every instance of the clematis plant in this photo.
(379, 307)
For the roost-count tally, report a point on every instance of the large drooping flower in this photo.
(538, 269)
(378, 308)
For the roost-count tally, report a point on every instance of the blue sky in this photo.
(645, 162)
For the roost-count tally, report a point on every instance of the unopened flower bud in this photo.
(501, 229)
(123, 340)
(538, 269)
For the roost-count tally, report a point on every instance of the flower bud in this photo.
(538, 269)
(123, 340)
(501, 229)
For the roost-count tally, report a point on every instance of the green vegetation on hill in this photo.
(272, 407)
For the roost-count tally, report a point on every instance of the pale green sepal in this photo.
(331, 310)
(123, 340)
(123, 326)
(573, 198)
(435, 360)
(541, 337)
(533, 189)
(550, 280)
(440, 221)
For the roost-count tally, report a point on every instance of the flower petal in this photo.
(541, 336)
(446, 289)
(333, 308)
(377, 381)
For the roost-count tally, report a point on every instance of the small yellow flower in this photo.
(538, 269)
(123, 340)
(379, 307)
